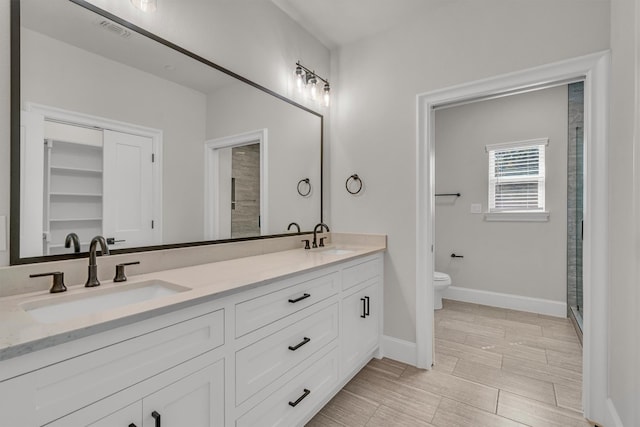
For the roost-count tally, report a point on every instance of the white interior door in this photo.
(128, 190)
(31, 183)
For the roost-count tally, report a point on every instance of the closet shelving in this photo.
(73, 193)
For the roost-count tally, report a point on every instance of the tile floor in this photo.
(494, 367)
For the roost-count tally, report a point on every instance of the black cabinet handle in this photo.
(364, 308)
(366, 311)
(303, 342)
(305, 296)
(156, 416)
(305, 394)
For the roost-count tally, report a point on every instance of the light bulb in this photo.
(314, 86)
(145, 5)
(326, 90)
(299, 78)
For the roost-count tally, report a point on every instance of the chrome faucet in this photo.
(315, 234)
(293, 224)
(72, 238)
(92, 280)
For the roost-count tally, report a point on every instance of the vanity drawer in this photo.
(359, 273)
(62, 388)
(266, 360)
(315, 383)
(258, 312)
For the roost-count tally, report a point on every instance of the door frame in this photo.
(156, 135)
(595, 69)
(211, 178)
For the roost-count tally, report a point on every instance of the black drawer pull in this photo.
(305, 296)
(366, 311)
(364, 308)
(156, 416)
(305, 394)
(303, 342)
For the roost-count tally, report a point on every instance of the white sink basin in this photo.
(336, 251)
(93, 301)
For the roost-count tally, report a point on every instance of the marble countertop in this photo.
(20, 333)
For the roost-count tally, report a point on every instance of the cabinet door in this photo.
(195, 401)
(130, 416)
(360, 325)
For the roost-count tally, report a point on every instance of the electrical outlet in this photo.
(476, 208)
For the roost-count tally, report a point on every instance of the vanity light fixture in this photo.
(145, 5)
(307, 80)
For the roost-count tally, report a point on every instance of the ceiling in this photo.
(339, 22)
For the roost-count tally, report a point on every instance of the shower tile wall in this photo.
(575, 195)
(245, 218)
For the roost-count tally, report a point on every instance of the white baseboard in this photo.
(514, 302)
(400, 350)
(614, 418)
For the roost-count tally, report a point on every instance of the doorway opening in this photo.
(595, 70)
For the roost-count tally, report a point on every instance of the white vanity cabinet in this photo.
(271, 355)
(193, 400)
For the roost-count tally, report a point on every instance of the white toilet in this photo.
(441, 281)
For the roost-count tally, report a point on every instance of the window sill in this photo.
(517, 216)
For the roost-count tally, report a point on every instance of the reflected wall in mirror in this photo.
(125, 136)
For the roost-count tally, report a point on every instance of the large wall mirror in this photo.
(116, 132)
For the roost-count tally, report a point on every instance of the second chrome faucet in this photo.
(92, 279)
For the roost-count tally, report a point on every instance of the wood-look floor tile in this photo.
(507, 347)
(450, 334)
(565, 332)
(466, 352)
(537, 414)
(541, 371)
(386, 416)
(444, 362)
(572, 361)
(453, 305)
(321, 420)
(569, 396)
(439, 383)
(349, 409)
(536, 319)
(388, 366)
(455, 414)
(466, 316)
(547, 343)
(381, 389)
(503, 380)
(472, 328)
(511, 326)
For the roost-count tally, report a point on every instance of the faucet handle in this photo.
(306, 243)
(120, 276)
(58, 281)
(321, 244)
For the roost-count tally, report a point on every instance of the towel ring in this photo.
(301, 182)
(353, 178)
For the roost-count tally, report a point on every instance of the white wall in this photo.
(373, 129)
(520, 258)
(129, 95)
(624, 186)
(252, 38)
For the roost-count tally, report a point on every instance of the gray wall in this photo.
(519, 258)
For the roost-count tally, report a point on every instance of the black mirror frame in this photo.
(14, 249)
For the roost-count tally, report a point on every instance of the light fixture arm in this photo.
(311, 72)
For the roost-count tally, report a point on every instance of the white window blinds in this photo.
(517, 176)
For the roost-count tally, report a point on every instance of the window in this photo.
(517, 176)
